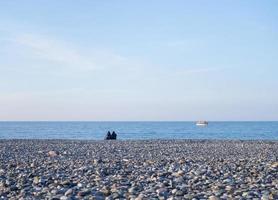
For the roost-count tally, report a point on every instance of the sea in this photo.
(139, 130)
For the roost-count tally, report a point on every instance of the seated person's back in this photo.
(114, 136)
(108, 136)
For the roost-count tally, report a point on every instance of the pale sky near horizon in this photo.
(138, 60)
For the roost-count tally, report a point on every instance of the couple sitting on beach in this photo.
(110, 136)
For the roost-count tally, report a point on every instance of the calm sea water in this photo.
(139, 130)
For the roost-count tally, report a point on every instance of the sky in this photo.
(138, 60)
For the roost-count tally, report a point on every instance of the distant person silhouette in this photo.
(108, 136)
(114, 136)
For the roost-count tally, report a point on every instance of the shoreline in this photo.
(140, 140)
(138, 169)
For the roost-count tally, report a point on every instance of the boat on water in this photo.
(201, 123)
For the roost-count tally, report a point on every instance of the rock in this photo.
(13, 188)
(162, 192)
(68, 192)
(84, 193)
(213, 198)
(179, 180)
(178, 174)
(36, 180)
(98, 196)
(174, 191)
(228, 188)
(265, 197)
(105, 191)
(66, 183)
(274, 165)
(133, 190)
(64, 198)
(52, 153)
(188, 196)
(179, 193)
(57, 197)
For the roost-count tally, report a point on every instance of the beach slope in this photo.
(153, 169)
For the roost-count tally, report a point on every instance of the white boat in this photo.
(201, 123)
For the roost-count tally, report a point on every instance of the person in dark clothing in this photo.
(114, 136)
(108, 136)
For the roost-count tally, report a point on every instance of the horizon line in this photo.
(136, 120)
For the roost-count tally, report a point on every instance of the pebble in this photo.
(84, 193)
(213, 198)
(68, 192)
(52, 153)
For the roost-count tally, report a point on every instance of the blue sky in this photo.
(138, 60)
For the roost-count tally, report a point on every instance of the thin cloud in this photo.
(54, 51)
(58, 53)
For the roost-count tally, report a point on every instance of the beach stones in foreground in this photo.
(156, 169)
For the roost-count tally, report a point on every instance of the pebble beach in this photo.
(141, 169)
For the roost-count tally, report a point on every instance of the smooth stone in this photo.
(162, 192)
(179, 193)
(133, 190)
(68, 192)
(66, 182)
(265, 197)
(228, 188)
(174, 191)
(52, 153)
(36, 180)
(84, 193)
(64, 198)
(213, 198)
(188, 196)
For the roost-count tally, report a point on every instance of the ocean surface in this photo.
(139, 130)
